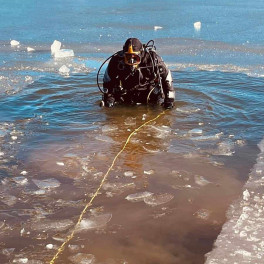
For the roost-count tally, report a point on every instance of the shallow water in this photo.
(166, 198)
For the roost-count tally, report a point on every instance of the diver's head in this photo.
(133, 50)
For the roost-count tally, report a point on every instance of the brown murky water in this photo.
(166, 197)
(178, 222)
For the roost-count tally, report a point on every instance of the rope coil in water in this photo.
(71, 235)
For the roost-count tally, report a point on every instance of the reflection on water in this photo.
(166, 197)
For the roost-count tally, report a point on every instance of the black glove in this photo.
(110, 101)
(168, 103)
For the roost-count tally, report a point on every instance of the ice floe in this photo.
(82, 258)
(20, 180)
(195, 131)
(109, 128)
(7, 251)
(188, 109)
(208, 137)
(241, 239)
(118, 187)
(104, 139)
(20, 260)
(158, 199)
(9, 200)
(94, 221)
(200, 180)
(52, 225)
(47, 183)
(225, 148)
(136, 197)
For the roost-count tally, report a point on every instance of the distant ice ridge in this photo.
(242, 237)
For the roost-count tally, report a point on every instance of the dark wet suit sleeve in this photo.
(110, 81)
(167, 83)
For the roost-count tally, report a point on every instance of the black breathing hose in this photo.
(97, 77)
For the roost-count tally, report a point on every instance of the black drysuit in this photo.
(150, 82)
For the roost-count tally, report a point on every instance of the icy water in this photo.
(166, 198)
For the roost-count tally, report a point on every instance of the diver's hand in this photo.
(168, 103)
(110, 102)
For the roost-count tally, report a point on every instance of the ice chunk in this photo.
(118, 187)
(157, 199)
(64, 53)
(50, 225)
(23, 172)
(130, 121)
(246, 195)
(153, 150)
(74, 248)
(225, 148)
(195, 131)
(39, 192)
(2, 224)
(128, 173)
(149, 172)
(56, 45)
(64, 70)
(197, 26)
(136, 197)
(14, 43)
(28, 79)
(82, 258)
(2, 153)
(161, 132)
(104, 138)
(209, 137)
(200, 180)
(59, 163)
(29, 49)
(203, 214)
(95, 221)
(109, 128)
(157, 27)
(20, 260)
(7, 251)
(8, 199)
(14, 138)
(20, 180)
(47, 183)
(49, 246)
(188, 109)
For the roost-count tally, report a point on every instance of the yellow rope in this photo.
(70, 236)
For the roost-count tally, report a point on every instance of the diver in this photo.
(137, 75)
